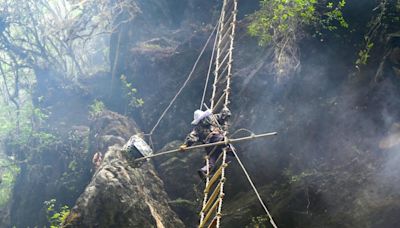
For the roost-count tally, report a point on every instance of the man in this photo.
(97, 159)
(207, 130)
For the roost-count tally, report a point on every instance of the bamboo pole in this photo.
(227, 141)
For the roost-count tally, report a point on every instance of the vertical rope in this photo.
(221, 194)
(184, 84)
(221, 28)
(228, 82)
(210, 66)
(223, 61)
(205, 193)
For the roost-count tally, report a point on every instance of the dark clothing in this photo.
(207, 131)
(207, 127)
(215, 150)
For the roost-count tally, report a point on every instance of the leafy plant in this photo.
(96, 108)
(364, 54)
(130, 93)
(384, 21)
(258, 222)
(296, 178)
(282, 23)
(8, 172)
(56, 217)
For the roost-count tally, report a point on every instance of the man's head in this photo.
(199, 115)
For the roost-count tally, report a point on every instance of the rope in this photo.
(185, 83)
(220, 29)
(271, 220)
(242, 129)
(205, 198)
(222, 181)
(228, 82)
(209, 66)
(224, 51)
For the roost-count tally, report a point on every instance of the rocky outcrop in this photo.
(120, 195)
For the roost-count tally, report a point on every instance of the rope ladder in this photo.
(211, 212)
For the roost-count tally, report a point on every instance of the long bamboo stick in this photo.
(208, 145)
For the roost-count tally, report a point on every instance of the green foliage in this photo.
(133, 101)
(280, 18)
(334, 15)
(151, 46)
(72, 165)
(299, 177)
(296, 178)
(364, 54)
(385, 20)
(71, 37)
(282, 23)
(56, 217)
(96, 108)
(258, 222)
(8, 173)
(24, 128)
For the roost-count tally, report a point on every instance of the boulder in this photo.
(119, 194)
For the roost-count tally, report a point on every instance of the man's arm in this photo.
(223, 115)
(191, 138)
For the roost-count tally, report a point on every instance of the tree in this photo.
(47, 44)
(383, 28)
(281, 24)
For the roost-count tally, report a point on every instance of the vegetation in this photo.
(281, 24)
(96, 108)
(45, 44)
(8, 173)
(49, 46)
(382, 25)
(129, 91)
(259, 222)
(56, 217)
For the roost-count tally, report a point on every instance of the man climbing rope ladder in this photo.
(208, 130)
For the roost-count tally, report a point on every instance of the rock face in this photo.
(120, 195)
(183, 185)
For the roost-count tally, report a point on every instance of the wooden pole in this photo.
(209, 144)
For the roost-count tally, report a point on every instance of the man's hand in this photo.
(182, 147)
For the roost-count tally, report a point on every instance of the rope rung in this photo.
(223, 60)
(213, 222)
(210, 212)
(216, 176)
(228, 7)
(227, 32)
(223, 78)
(225, 48)
(212, 198)
(219, 101)
(218, 159)
(228, 17)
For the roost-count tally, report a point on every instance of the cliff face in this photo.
(122, 196)
(331, 120)
(333, 164)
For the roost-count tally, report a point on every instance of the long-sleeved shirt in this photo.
(206, 127)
